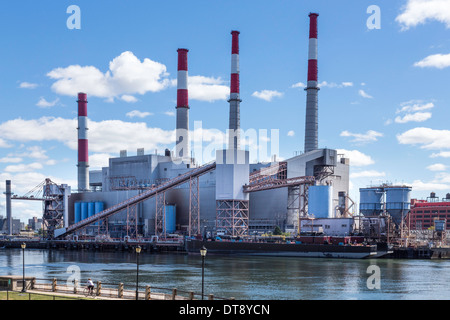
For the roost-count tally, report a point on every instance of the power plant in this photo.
(146, 196)
(235, 197)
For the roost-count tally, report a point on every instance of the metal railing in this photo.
(113, 291)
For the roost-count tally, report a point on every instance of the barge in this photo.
(295, 249)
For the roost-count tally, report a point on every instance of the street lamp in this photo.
(138, 251)
(203, 253)
(23, 246)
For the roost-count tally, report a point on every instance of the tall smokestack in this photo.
(235, 121)
(182, 131)
(8, 207)
(312, 89)
(83, 157)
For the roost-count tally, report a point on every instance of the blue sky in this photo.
(383, 102)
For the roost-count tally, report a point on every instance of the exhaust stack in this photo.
(312, 89)
(83, 155)
(235, 121)
(182, 130)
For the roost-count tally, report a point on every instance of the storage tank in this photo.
(77, 212)
(99, 207)
(84, 210)
(171, 217)
(371, 201)
(320, 201)
(91, 209)
(398, 202)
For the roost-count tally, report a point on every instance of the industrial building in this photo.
(425, 213)
(142, 195)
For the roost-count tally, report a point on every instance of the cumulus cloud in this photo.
(439, 61)
(127, 75)
(369, 136)
(426, 137)
(291, 133)
(417, 12)
(267, 95)
(207, 88)
(357, 158)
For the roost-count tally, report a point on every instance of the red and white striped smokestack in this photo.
(312, 89)
(83, 155)
(235, 121)
(182, 129)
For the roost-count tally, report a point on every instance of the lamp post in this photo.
(138, 251)
(203, 254)
(23, 246)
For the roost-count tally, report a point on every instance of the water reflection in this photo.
(242, 277)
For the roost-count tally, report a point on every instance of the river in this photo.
(249, 278)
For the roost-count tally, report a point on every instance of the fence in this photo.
(113, 291)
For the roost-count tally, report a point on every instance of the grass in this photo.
(14, 295)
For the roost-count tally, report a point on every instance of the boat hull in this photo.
(282, 249)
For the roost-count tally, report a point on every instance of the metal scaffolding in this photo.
(232, 217)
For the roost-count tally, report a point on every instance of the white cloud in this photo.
(369, 136)
(367, 174)
(439, 61)
(10, 160)
(417, 12)
(138, 114)
(298, 85)
(170, 113)
(267, 95)
(24, 167)
(99, 160)
(357, 158)
(437, 167)
(335, 85)
(415, 117)
(126, 75)
(207, 88)
(426, 137)
(414, 106)
(128, 98)
(291, 133)
(443, 154)
(28, 85)
(419, 185)
(363, 94)
(42, 103)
